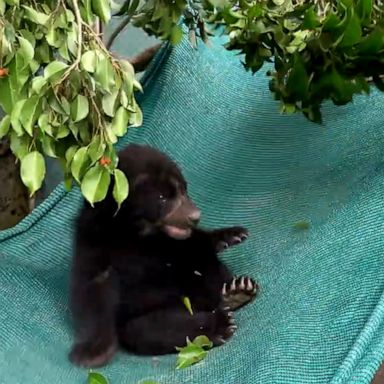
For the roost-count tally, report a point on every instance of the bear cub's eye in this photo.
(162, 199)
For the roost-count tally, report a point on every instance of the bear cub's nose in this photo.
(194, 216)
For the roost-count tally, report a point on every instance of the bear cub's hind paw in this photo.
(240, 291)
(225, 327)
(92, 354)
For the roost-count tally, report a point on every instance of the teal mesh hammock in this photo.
(312, 197)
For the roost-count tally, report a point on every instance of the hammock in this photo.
(312, 197)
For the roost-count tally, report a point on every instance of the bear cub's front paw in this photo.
(230, 236)
(240, 291)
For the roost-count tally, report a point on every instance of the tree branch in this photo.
(116, 32)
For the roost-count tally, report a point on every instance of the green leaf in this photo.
(96, 378)
(29, 36)
(79, 108)
(72, 40)
(102, 9)
(86, 12)
(136, 118)
(42, 52)
(109, 103)
(5, 123)
(53, 70)
(203, 342)
(96, 149)
(19, 144)
(176, 35)
(6, 95)
(36, 17)
(128, 74)
(120, 122)
(38, 83)
(68, 180)
(137, 86)
(79, 164)
(70, 153)
(63, 51)
(149, 382)
(32, 171)
(352, 33)
(187, 303)
(44, 124)
(373, 43)
(95, 183)
(34, 66)
(311, 20)
(121, 187)
(56, 105)
(105, 74)
(192, 353)
(26, 50)
(15, 117)
(53, 37)
(110, 134)
(30, 113)
(65, 105)
(364, 8)
(12, 86)
(49, 146)
(62, 132)
(298, 79)
(88, 61)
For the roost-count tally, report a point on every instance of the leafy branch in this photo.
(317, 50)
(64, 95)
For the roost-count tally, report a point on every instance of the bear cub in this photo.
(132, 269)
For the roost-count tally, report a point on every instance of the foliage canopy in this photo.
(66, 97)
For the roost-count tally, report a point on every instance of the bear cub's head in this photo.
(158, 200)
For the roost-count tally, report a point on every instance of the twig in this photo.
(79, 22)
(97, 38)
(116, 32)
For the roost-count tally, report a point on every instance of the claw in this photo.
(242, 284)
(243, 236)
(230, 314)
(224, 289)
(232, 328)
(231, 321)
(221, 340)
(233, 284)
(250, 285)
(226, 308)
(237, 239)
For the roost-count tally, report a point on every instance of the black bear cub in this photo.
(131, 270)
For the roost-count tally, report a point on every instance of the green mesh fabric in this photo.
(312, 197)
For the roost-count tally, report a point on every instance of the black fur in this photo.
(129, 274)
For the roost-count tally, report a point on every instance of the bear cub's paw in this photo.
(92, 354)
(228, 237)
(240, 291)
(225, 327)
